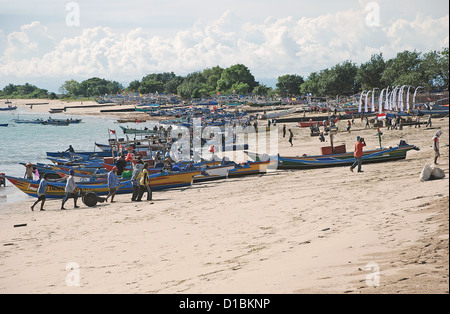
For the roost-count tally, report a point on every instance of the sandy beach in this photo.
(286, 232)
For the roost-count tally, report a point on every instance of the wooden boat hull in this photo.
(8, 108)
(168, 180)
(56, 189)
(158, 182)
(213, 173)
(250, 168)
(340, 160)
(136, 131)
(308, 124)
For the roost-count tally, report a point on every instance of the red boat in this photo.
(308, 124)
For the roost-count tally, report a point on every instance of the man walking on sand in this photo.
(437, 154)
(113, 184)
(291, 136)
(41, 193)
(70, 190)
(360, 143)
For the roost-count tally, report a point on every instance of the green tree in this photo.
(171, 86)
(151, 86)
(311, 85)
(343, 79)
(96, 87)
(369, 74)
(404, 69)
(261, 90)
(10, 89)
(289, 84)
(133, 86)
(240, 88)
(444, 67)
(238, 73)
(70, 88)
(192, 86)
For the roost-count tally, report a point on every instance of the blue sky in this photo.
(50, 41)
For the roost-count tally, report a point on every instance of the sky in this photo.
(48, 42)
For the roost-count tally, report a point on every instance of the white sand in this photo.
(311, 231)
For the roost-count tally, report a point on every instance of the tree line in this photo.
(429, 70)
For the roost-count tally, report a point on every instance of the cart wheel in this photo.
(90, 199)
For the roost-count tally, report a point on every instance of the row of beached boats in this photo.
(91, 173)
(181, 175)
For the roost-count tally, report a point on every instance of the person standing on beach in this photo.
(360, 143)
(135, 178)
(349, 126)
(284, 130)
(70, 190)
(291, 136)
(428, 122)
(113, 184)
(121, 163)
(144, 185)
(41, 193)
(437, 154)
(29, 171)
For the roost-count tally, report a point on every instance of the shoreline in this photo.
(288, 232)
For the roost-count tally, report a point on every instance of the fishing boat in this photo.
(56, 110)
(44, 169)
(21, 121)
(308, 124)
(63, 121)
(93, 163)
(171, 179)
(159, 181)
(91, 154)
(249, 168)
(56, 189)
(131, 120)
(136, 131)
(8, 108)
(339, 159)
(56, 123)
(209, 173)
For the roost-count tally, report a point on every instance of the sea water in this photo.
(22, 143)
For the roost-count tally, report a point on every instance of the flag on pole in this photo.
(112, 131)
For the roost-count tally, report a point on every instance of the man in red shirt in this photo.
(360, 143)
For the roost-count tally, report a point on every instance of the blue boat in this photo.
(8, 108)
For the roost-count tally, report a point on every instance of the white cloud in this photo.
(270, 48)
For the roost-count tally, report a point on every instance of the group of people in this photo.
(360, 144)
(291, 135)
(140, 181)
